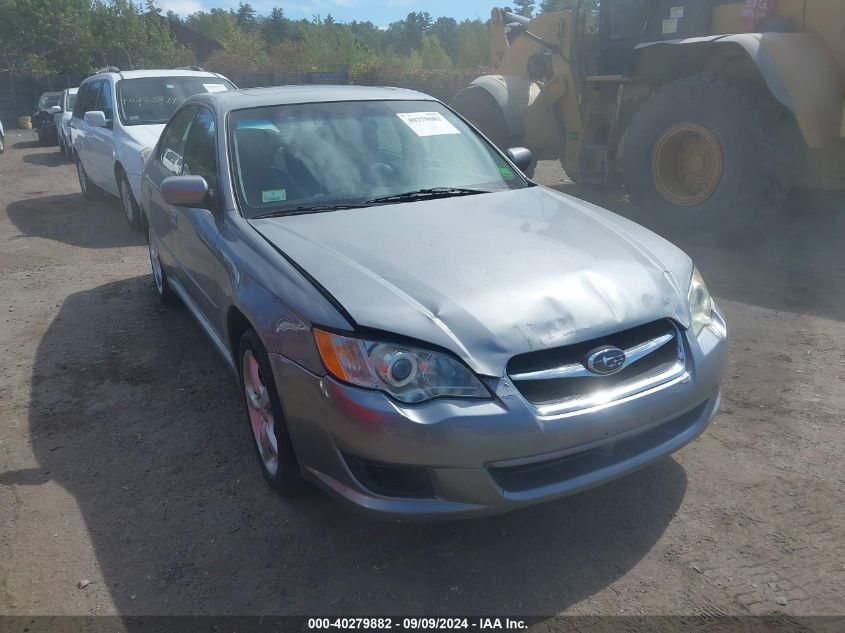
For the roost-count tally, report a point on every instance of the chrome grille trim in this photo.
(663, 376)
(632, 355)
(677, 373)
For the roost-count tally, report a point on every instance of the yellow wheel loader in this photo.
(706, 110)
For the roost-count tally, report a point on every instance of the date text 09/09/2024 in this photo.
(411, 624)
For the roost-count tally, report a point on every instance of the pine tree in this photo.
(524, 7)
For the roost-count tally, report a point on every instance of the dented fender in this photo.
(798, 70)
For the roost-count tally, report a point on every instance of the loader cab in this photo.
(623, 24)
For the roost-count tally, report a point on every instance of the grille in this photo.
(530, 476)
(557, 380)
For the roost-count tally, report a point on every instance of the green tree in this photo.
(590, 7)
(45, 36)
(214, 23)
(524, 7)
(446, 30)
(473, 50)
(275, 28)
(242, 51)
(133, 36)
(405, 35)
(245, 17)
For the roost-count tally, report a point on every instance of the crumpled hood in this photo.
(489, 276)
(145, 135)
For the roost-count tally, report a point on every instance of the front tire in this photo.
(698, 156)
(266, 419)
(90, 191)
(165, 293)
(127, 201)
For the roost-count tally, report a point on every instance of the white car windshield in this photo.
(49, 100)
(152, 100)
(289, 158)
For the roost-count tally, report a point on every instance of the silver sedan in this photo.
(416, 327)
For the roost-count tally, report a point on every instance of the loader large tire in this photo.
(479, 107)
(698, 156)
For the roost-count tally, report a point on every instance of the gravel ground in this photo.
(128, 484)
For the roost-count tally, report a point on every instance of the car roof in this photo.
(230, 100)
(162, 72)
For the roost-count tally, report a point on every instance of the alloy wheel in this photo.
(126, 199)
(80, 173)
(155, 263)
(260, 410)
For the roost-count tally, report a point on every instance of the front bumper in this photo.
(487, 457)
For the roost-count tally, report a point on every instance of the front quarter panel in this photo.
(278, 300)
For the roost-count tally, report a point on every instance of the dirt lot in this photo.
(125, 459)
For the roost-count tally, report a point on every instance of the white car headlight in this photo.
(700, 302)
(408, 374)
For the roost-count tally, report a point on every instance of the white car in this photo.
(61, 114)
(117, 119)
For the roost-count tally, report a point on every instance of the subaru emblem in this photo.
(606, 360)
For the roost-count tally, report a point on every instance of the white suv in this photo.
(117, 119)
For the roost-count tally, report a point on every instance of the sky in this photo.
(381, 13)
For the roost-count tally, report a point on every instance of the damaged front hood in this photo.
(489, 276)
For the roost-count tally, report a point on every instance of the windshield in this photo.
(71, 101)
(151, 100)
(291, 157)
(49, 100)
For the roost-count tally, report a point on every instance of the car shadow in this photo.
(30, 144)
(790, 260)
(73, 220)
(134, 414)
(54, 158)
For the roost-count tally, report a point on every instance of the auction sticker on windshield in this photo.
(214, 87)
(427, 123)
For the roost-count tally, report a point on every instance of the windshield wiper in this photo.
(429, 194)
(318, 208)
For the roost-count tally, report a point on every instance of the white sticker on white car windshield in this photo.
(427, 123)
(215, 87)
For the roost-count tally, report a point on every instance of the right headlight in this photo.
(409, 374)
(700, 302)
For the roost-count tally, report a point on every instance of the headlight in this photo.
(406, 373)
(700, 302)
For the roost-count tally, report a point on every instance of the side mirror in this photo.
(185, 191)
(521, 157)
(96, 118)
(55, 110)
